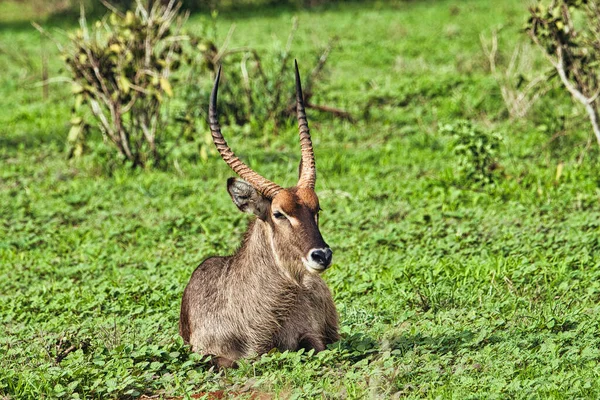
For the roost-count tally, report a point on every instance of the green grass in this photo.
(443, 291)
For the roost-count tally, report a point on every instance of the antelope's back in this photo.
(203, 286)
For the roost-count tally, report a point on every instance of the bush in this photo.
(126, 68)
(476, 151)
(568, 31)
(261, 91)
(121, 71)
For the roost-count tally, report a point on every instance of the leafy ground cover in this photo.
(444, 289)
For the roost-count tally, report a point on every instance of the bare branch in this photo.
(43, 32)
(279, 78)
(579, 96)
(223, 47)
(308, 90)
(56, 79)
(112, 8)
(518, 101)
(335, 111)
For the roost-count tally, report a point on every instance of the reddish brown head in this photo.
(293, 213)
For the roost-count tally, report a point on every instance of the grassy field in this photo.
(444, 290)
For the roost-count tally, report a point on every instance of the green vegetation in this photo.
(445, 289)
(121, 70)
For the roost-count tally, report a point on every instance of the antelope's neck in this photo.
(258, 253)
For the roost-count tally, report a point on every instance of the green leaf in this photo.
(166, 86)
(124, 84)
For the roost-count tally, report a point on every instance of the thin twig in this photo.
(255, 56)
(112, 8)
(246, 81)
(43, 32)
(308, 92)
(65, 353)
(44, 55)
(335, 111)
(279, 78)
(223, 47)
(585, 150)
(56, 79)
(518, 102)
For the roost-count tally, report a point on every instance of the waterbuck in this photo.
(269, 294)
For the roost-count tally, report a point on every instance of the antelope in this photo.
(269, 294)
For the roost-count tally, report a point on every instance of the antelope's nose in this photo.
(321, 256)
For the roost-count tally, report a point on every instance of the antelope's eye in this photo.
(278, 215)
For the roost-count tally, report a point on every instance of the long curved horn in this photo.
(308, 173)
(265, 186)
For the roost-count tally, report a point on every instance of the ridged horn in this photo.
(308, 173)
(264, 186)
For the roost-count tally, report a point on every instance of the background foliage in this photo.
(476, 151)
(444, 290)
(121, 71)
(124, 71)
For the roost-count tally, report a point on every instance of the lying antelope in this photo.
(269, 293)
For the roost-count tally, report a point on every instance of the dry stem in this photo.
(518, 101)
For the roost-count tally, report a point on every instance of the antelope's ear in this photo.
(247, 199)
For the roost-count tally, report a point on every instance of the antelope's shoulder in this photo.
(206, 276)
(212, 265)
